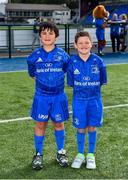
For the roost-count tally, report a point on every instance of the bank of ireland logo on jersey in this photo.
(48, 64)
(76, 71)
(86, 78)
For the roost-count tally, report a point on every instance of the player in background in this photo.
(86, 75)
(48, 65)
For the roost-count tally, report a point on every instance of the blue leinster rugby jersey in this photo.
(48, 68)
(87, 77)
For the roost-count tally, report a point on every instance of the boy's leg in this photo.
(60, 139)
(59, 135)
(79, 122)
(95, 119)
(92, 137)
(81, 141)
(40, 113)
(80, 158)
(39, 136)
(37, 162)
(59, 113)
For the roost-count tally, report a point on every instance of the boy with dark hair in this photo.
(48, 65)
(86, 74)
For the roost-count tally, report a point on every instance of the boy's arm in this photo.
(66, 62)
(70, 75)
(31, 67)
(103, 75)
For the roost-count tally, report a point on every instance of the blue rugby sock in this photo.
(38, 140)
(92, 136)
(60, 137)
(80, 142)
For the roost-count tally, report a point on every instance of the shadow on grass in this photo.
(50, 170)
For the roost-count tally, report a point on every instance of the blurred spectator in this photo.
(114, 32)
(123, 32)
(36, 32)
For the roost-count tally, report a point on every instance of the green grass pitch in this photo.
(16, 138)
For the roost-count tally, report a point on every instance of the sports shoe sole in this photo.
(62, 165)
(37, 168)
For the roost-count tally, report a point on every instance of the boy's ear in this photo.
(75, 45)
(56, 38)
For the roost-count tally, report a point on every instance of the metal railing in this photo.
(18, 38)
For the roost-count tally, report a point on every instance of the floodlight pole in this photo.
(9, 41)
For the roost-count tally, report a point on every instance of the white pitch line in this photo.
(17, 119)
(70, 112)
(115, 64)
(4, 72)
(116, 106)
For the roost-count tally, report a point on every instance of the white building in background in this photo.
(61, 17)
(2, 13)
(60, 14)
(2, 8)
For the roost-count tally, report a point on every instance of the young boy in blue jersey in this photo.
(86, 74)
(47, 65)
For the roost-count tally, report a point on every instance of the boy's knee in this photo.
(91, 129)
(59, 126)
(40, 125)
(81, 130)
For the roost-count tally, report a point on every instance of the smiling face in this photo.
(83, 45)
(48, 34)
(48, 37)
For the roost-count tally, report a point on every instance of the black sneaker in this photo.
(62, 158)
(37, 162)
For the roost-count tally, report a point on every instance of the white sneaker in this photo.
(78, 161)
(90, 161)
